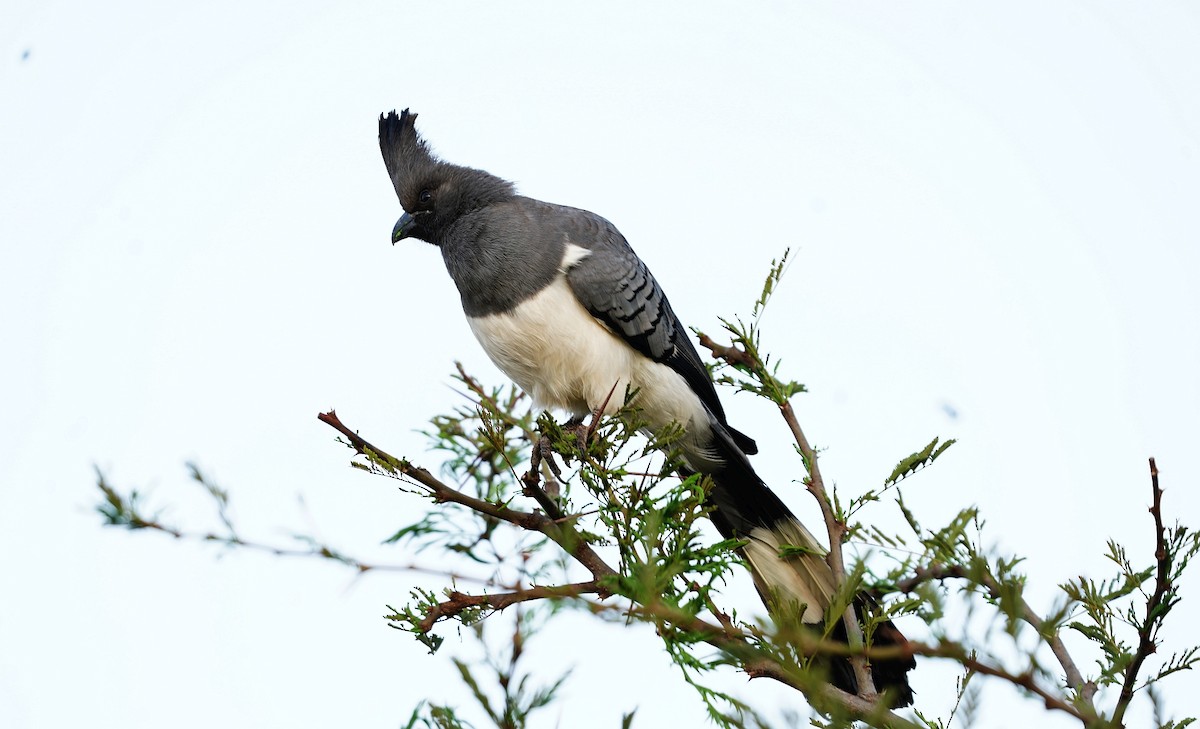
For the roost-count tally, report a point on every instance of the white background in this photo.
(993, 212)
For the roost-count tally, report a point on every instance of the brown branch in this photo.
(1154, 606)
(318, 550)
(125, 513)
(731, 354)
(836, 530)
(932, 573)
(816, 486)
(460, 602)
(562, 534)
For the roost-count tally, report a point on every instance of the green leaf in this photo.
(922, 458)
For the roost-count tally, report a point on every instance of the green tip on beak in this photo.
(403, 228)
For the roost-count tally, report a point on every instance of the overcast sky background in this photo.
(993, 212)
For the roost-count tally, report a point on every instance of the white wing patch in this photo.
(573, 255)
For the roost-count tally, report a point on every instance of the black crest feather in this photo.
(413, 167)
(405, 154)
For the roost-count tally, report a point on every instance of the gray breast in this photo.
(502, 255)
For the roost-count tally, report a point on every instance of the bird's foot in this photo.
(547, 496)
(543, 455)
(583, 435)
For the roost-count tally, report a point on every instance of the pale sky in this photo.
(993, 213)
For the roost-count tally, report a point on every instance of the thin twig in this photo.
(837, 533)
(1154, 606)
(317, 550)
(835, 528)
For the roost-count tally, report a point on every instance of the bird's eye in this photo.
(425, 197)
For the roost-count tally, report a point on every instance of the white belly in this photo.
(565, 359)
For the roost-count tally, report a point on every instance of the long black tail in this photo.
(745, 508)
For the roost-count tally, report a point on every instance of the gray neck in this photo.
(497, 259)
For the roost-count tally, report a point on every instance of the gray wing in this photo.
(617, 288)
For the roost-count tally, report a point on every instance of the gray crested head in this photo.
(433, 193)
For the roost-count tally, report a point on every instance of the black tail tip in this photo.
(890, 678)
(890, 675)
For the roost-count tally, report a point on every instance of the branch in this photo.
(1156, 607)
(562, 534)
(123, 511)
(731, 355)
(460, 602)
(835, 527)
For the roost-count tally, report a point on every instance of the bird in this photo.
(562, 305)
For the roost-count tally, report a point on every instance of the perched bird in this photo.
(563, 306)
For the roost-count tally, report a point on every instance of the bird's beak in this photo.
(403, 228)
